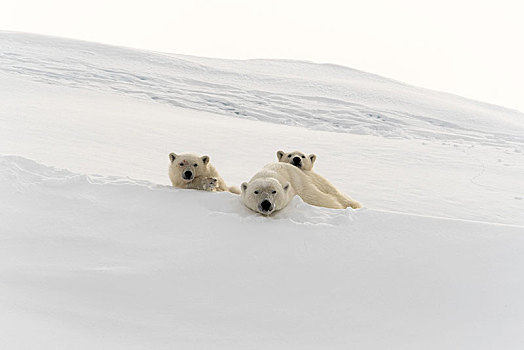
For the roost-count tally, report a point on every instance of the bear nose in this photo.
(296, 160)
(188, 174)
(266, 205)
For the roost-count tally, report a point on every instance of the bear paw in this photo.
(210, 184)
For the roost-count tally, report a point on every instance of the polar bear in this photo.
(298, 159)
(273, 187)
(305, 163)
(194, 172)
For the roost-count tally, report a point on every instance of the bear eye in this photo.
(274, 192)
(289, 155)
(195, 165)
(256, 192)
(181, 164)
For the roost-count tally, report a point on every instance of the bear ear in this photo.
(244, 186)
(205, 159)
(286, 187)
(172, 157)
(312, 157)
(280, 154)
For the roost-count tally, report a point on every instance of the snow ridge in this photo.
(18, 174)
(323, 97)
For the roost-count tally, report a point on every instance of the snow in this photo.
(109, 134)
(322, 97)
(97, 251)
(122, 267)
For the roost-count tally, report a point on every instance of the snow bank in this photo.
(109, 262)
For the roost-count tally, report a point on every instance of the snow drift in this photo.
(105, 262)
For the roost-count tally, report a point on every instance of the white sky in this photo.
(471, 48)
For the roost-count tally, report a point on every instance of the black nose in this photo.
(188, 174)
(266, 205)
(296, 160)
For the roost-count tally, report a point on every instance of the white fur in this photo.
(320, 182)
(327, 187)
(306, 161)
(204, 175)
(278, 183)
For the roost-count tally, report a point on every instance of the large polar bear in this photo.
(305, 163)
(194, 172)
(273, 187)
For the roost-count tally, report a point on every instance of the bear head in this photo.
(265, 195)
(298, 159)
(188, 166)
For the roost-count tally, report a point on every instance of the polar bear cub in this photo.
(194, 172)
(272, 188)
(301, 161)
(298, 159)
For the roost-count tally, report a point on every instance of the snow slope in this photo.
(106, 133)
(119, 260)
(322, 97)
(108, 262)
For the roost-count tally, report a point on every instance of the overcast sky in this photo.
(470, 48)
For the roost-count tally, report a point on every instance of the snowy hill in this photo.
(96, 251)
(98, 262)
(322, 97)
